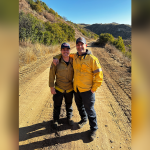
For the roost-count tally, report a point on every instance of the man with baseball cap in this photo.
(63, 86)
(88, 77)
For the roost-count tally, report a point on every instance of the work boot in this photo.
(70, 122)
(81, 123)
(92, 135)
(55, 124)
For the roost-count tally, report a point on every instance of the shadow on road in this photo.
(96, 44)
(45, 128)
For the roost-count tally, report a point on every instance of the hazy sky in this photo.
(93, 11)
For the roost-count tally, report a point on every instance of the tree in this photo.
(119, 44)
(106, 37)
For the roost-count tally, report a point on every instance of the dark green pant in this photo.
(57, 98)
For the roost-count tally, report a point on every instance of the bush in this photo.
(58, 34)
(38, 8)
(106, 37)
(35, 30)
(53, 12)
(129, 46)
(69, 31)
(29, 27)
(83, 32)
(37, 5)
(25, 23)
(22, 34)
(47, 38)
(128, 54)
(44, 5)
(30, 2)
(61, 32)
(119, 44)
(40, 36)
(95, 36)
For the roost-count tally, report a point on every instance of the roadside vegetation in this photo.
(107, 38)
(118, 55)
(30, 53)
(35, 30)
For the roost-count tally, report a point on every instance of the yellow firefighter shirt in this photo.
(62, 75)
(88, 73)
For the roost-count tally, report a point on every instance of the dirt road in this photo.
(113, 108)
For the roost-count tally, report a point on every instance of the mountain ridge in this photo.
(123, 30)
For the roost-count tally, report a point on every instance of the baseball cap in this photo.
(65, 45)
(81, 39)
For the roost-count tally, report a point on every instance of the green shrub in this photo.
(44, 5)
(37, 2)
(106, 37)
(38, 8)
(25, 23)
(44, 32)
(95, 36)
(37, 5)
(29, 27)
(119, 44)
(83, 32)
(129, 46)
(31, 2)
(68, 30)
(40, 36)
(47, 38)
(58, 34)
(128, 54)
(22, 33)
(61, 32)
(53, 12)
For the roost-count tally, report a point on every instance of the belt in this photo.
(63, 91)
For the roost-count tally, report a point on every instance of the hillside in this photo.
(50, 16)
(113, 28)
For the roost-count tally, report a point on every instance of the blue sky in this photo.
(93, 11)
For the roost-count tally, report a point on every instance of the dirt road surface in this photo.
(113, 109)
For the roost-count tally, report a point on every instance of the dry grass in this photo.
(31, 52)
(118, 55)
(50, 17)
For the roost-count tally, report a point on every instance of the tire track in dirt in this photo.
(117, 78)
(36, 114)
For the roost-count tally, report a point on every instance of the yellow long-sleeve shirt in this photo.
(63, 75)
(88, 74)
